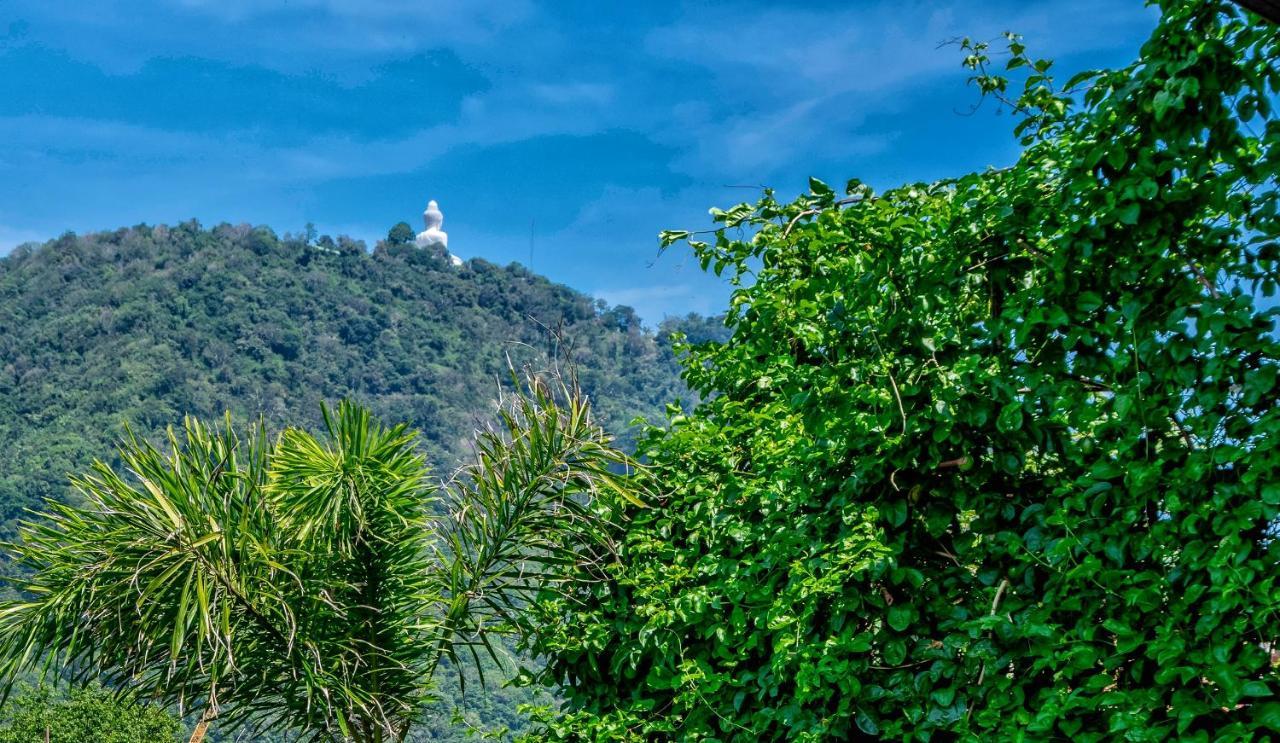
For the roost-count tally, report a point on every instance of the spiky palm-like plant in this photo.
(308, 583)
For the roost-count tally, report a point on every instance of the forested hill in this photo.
(147, 324)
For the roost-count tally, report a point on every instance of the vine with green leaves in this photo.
(993, 457)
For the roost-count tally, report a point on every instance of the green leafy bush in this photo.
(84, 714)
(991, 457)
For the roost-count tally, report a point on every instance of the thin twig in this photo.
(1186, 435)
(810, 212)
(901, 410)
(797, 218)
(1093, 385)
(949, 556)
(982, 673)
(1199, 274)
(912, 664)
(1004, 583)
(976, 266)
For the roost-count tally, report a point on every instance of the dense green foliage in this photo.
(992, 457)
(85, 714)
(148, 324)
(303, 584)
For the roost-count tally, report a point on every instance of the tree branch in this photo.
(1268, 9)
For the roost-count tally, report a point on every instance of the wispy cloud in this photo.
(757, 146)
(791, 84)
(600, 124)
(782, 51)
(202, 95)
(435, 16)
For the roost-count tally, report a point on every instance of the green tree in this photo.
(400, 234)
(306, 583)
(991, 458)
(147, 324)
(84, 714)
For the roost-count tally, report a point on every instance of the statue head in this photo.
(433, 217)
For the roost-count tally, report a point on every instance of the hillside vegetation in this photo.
(988, 458)
(145, 325)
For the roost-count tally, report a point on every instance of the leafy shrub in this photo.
(990, 457)
(84, 714)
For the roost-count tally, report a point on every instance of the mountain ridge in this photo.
(143, 325)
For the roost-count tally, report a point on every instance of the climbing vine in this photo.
(992, 457)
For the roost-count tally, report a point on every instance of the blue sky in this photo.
(589, 126)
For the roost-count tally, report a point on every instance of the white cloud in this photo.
(740, 94)
(783, 52)
(795, 85)
(382, 24)
(757, 146)
(338, 37)
(95, 146)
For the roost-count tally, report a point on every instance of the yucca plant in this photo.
(311, 584)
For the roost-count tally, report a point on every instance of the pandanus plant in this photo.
(311, 584)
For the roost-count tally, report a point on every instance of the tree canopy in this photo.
(84, 714)
(989, 457)
(147, 324)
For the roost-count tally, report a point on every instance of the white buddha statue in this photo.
(433, 236)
